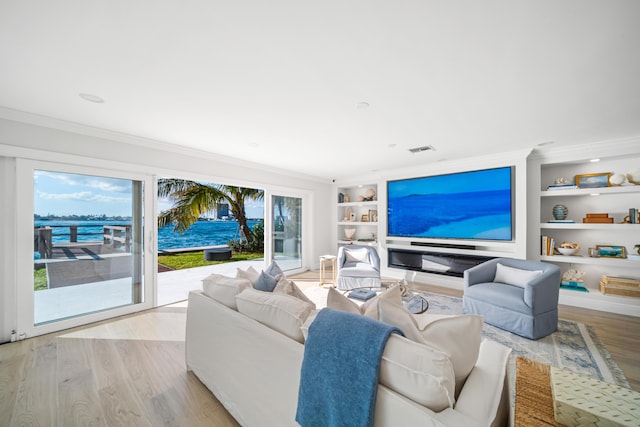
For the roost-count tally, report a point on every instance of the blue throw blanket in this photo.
(340, 369)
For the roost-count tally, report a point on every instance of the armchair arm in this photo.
(374, 259)
(341, 257)
(481, 273)
(542, 293)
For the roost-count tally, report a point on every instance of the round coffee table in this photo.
(412, 301)
(415, 303)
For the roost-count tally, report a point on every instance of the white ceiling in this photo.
(278, 82)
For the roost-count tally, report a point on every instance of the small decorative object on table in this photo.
(593, 180)
(560, 212)
(632, 218)
(609, 251)
(568, 248)
(621, 286)
(617, 179)
(572, 279)
(561, 184)
(634, 177)
(368, 196)
(349, 233)
(362, 294)
(597, 218)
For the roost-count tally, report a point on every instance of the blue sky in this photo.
(68, 194)
(72, 194)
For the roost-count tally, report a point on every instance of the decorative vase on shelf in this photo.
(560, 212)
(349, 233)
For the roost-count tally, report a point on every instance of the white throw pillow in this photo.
(283, 313)
(514, 276)
(416, 371)
(457, 336)
(357, 255)
(286, 286)
(224, 289)
(250, 273)
(338, 301)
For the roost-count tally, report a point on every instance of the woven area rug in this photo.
(574, 347)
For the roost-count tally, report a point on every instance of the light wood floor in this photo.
(131, 371)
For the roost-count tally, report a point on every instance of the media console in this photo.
(433, 262)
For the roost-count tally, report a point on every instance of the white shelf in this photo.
(572, 259)
(357, 242)
(371, 203)
(364, 229)
(589, 191)
(582, 226)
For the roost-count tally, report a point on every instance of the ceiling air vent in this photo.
(421, 149)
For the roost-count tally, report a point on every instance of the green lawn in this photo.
(196, 259)
(40, 279)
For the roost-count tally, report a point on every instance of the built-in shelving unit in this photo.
(358, 215)
(615, 201)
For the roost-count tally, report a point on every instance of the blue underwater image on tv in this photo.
(467, 205)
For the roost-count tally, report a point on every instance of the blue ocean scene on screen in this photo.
(468, 205)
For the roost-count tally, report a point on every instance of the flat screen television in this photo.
(475, 205)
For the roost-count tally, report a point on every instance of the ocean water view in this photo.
(202, 233)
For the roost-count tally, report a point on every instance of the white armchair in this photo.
(358, 267)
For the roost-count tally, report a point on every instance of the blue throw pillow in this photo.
(265, 282)
(274, 269)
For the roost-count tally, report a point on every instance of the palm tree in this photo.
(193, 199)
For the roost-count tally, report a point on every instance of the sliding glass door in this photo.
(85, 246)
(286, 236)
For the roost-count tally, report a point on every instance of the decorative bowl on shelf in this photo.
(568, 251)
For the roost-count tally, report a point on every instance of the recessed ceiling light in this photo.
(594, 194)
(91, 98)
(362, 105)
(392, 145)
(254, 145)
(594, 160)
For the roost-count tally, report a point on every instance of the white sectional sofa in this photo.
(254, 371)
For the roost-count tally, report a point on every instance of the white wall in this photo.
(50, 140)
(7, 248)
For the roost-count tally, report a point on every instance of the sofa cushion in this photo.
(224, 289)
(265, 282)
(357, 255)
(514, 276)
(273, 269)
(417, 371)
(457, 336)
(283, 313)
(337, 300)
(250, 273)
(288, 287)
